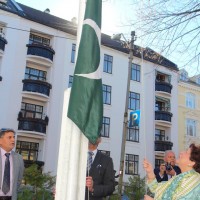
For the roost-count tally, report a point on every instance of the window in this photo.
(28, 150)
(135, 72)
(160, 77)
(134, 101)
(2, 31)
(105, 152)
(73, 54)
(31, 111)
(107, 65)
(190, 100)
(158, 162)
(106, 94)
(184, 76)
(35, 74)
(133, 134)
(131, 164)
(105, 127)
(70, 81)
(198, 80)
(191, 127)
(159, 135)
(38, 39)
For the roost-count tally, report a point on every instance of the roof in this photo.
(71, 28)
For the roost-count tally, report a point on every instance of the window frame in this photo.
(135, 133)
(73, 53)
(191, 125)
(134, 101)
(134, 162)
(106, 127)
(107, 89)
(41, 75)
(190, 100)
(70, 82)
(30, 150)
(108, 64)
(135, 72)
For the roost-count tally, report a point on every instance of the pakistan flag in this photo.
(86, 99)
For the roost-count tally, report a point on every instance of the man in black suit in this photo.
(167, 169)
(11, 166)
(100, 180)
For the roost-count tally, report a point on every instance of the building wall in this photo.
(185, 113)
(13, 64)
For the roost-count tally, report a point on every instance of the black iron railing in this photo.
(163, 145)
(163, 115)
(163, 86)
(36, 86)
(40, 50)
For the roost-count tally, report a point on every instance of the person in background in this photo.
(168, 168)
(11, 166)
(100, 180)
(185, 186)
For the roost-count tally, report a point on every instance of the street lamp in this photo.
(130, 45)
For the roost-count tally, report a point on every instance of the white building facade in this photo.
(37, 53)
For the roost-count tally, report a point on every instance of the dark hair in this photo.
(195, 156)
(5, 130)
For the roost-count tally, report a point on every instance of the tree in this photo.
(38, 185)
(170, 27)
(135, 189)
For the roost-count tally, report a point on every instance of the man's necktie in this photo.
(89, 161)
(6, 177)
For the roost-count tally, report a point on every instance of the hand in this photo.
(89, 183)
(147, 166)
(171, 172)
(146, 197)
(149, 170)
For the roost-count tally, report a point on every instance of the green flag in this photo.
(86, 99)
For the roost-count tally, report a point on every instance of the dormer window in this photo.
(184, 76)
(39, 40)
(198, 80)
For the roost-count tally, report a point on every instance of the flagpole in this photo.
(125, 123)
(70, 183)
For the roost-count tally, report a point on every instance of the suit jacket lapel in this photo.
(15, 165)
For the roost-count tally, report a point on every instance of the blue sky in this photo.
(114, 12)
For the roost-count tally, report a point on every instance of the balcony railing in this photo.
(40, 50)
(163, 145)
(32, 124)
(3, 42)
(163, 86)
(36, 86)
(163, 115)
(0, 78)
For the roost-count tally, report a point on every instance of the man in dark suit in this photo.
(11, 166)
(100, 180)
(167, 169)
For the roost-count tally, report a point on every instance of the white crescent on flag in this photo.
(97, 73)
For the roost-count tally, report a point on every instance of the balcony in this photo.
(163, 145)
(163, 87)
(163, 115)
(40, 50)
(32, 124)
(3, 42)
(36, 86)
(0, 78)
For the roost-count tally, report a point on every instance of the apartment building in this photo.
(188, 109)
(37, 59)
